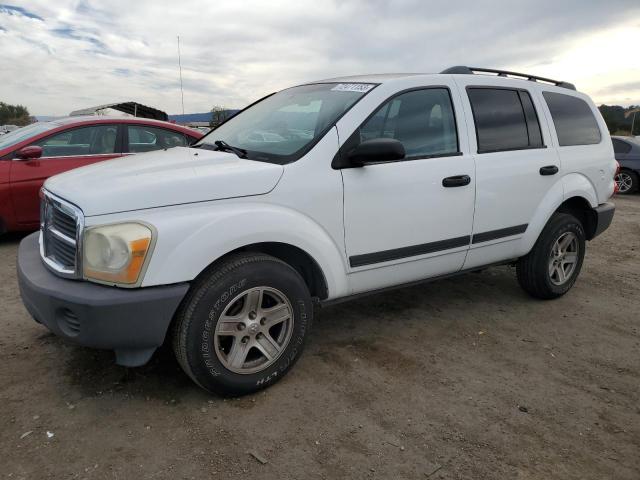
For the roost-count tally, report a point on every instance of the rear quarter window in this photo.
(573, 119)
(620, 147)
(145, 138)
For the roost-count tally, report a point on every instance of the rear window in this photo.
(143, 138)
(573, 119)
(505, 119)
(620, 147)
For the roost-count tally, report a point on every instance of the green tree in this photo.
(619, 119)
(14, 115)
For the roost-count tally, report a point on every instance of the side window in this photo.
(94, 140)
(423, 120)
(573, 119)
(143, 138)
(505, 119)
(620, 147)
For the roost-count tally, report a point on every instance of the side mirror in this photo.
(376, 150)
(29, 153)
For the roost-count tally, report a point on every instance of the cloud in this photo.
(71, 33)
(18, 11)
(124, 72)
(64, 55)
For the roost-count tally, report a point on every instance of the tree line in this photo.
(620, 120)
(14, 115)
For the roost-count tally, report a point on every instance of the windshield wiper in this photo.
(224, 146)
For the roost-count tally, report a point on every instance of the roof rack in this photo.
(462, 70)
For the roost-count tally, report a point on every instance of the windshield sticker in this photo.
(353, 87)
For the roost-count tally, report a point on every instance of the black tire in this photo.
(633, 178)
(211, 295)
(533, 269)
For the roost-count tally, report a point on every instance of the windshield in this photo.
(17, 136)
(283, 126)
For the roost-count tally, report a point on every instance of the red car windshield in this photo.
(17, 136)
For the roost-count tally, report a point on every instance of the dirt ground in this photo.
(462, 378)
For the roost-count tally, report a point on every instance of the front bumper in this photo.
(604, 216)
(132, 322)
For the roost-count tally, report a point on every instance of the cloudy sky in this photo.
(58, 56)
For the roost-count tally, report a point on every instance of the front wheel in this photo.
(243, 324)
(552, 266)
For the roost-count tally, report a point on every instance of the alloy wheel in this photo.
(254, 330)
(624, 181)
(563, 258)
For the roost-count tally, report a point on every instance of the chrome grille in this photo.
(64, 223)
(61, 229)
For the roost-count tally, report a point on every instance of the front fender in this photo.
(190, 239)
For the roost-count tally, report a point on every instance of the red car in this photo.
(30, 155)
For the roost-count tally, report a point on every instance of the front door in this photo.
(410, 219)
(61, 151)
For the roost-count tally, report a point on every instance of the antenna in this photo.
(180, 67)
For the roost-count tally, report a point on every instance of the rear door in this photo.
(514, 166)
(61, 151)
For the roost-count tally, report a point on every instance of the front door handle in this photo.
(548, 170)
(456, 181)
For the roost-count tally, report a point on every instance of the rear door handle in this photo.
(548, 170)
(456, 181)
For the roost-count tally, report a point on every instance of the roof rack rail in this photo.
(462, 70)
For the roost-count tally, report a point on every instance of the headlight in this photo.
(116, 253)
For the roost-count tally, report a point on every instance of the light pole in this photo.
(180, 68)
(633, 112)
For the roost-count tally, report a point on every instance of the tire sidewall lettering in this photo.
(294, 347)
(214, 313)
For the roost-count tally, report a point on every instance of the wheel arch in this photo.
(575, 194)
(297, 259)
(579, 185)
(274, 230)
(580, 208)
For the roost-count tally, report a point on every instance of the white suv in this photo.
(374, 182)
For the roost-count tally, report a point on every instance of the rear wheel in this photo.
(243, 325)
(553, 265)
(627, 181)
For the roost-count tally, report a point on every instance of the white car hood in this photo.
(170, 177)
